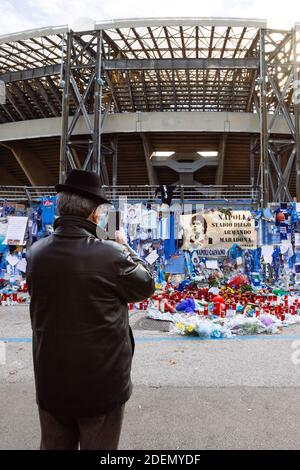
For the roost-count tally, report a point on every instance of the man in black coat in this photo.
(80, 285)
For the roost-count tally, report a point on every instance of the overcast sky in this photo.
(17, 15)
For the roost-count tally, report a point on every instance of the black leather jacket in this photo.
(82, 343)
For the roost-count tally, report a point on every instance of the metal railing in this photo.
(219, 194)
(223, 195)
(25, 193)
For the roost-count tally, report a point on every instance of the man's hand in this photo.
(120, 237)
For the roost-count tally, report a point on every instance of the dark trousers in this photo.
(90, 433)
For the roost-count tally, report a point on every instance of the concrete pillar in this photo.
(221, 157)
(187, 179)
(152, 176)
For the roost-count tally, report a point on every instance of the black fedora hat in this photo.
(85, 183)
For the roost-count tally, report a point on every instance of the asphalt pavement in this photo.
(240, 393)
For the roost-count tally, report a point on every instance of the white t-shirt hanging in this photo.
(144, 234)
(164, 228)
(132, 231)
(149, 219)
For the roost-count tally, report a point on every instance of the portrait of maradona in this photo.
(195, 232)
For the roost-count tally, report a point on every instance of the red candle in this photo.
(292, 309)
(217, 309)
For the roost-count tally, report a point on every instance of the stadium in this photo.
(149, 232)
(207, 104)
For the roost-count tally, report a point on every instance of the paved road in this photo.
(189, 394)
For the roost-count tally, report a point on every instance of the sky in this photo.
(19, 15)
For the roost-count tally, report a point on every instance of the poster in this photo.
(3, 230)
(194, 231)
(3, 226)
(132, 214)
(16, 230)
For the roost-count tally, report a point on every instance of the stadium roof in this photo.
(233, 78)
(155, 64)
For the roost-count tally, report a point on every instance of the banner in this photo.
(225, 229)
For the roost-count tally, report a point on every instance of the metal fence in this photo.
(211, 194)
(222, 194)
(25, 193)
